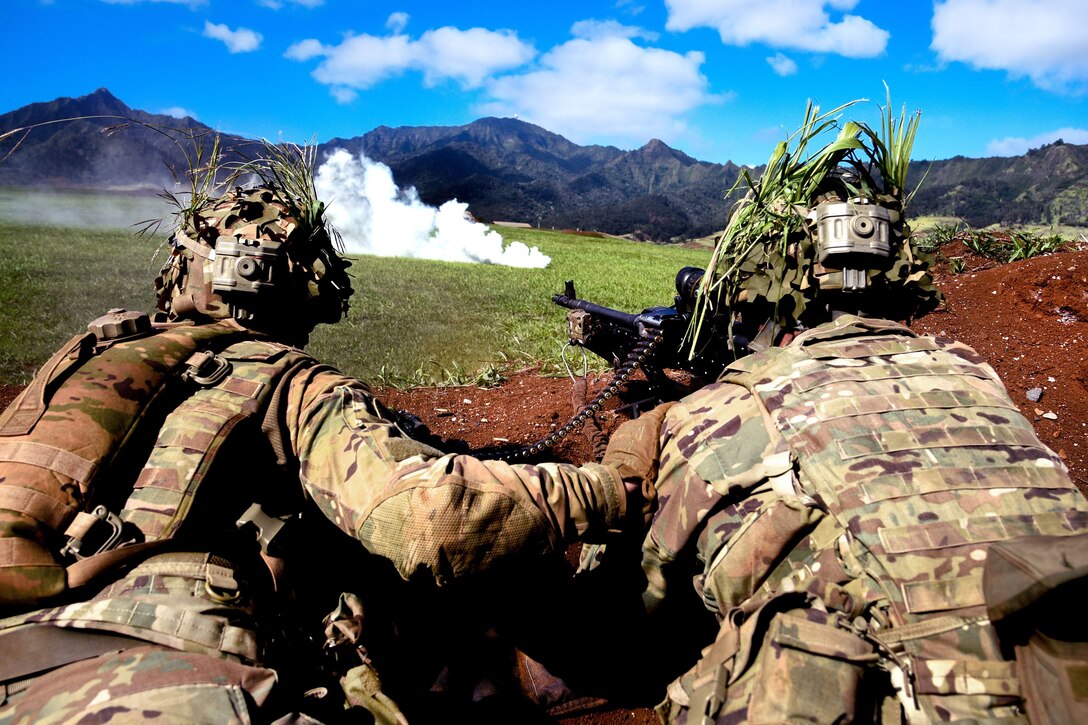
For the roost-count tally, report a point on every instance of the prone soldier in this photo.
(156, 476)
(877, 529)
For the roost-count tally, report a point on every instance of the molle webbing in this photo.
(919, 454)
(176, 600)
(51, 462)
(193, 433)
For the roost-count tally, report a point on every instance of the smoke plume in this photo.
(375, 217)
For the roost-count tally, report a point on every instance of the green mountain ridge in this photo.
(507, 169)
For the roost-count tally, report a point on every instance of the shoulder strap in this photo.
(193, 434)
(25, 410)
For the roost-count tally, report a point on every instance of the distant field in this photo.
(84, 209)
(412, 321)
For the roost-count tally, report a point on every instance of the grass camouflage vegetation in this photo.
(411, 322)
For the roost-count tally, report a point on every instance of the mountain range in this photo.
(510, 170)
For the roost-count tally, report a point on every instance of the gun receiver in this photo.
(615, 335)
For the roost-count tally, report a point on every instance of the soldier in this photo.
(151, 466)
(872, 521)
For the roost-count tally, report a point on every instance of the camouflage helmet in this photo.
(823, 232)
(249, 255)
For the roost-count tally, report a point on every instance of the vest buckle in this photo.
(206, 368)
(94, 532)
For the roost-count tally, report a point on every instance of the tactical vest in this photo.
(921, 462)
(110, 442)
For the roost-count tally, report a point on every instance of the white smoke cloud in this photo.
(376, 217)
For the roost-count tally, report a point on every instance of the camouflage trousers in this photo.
(188, 651)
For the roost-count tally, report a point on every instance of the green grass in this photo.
(54, 280)
(411, 322)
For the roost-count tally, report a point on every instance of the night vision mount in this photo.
(849, 234)
(244, 271)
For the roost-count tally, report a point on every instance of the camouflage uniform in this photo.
(834, 501)
(197, 649)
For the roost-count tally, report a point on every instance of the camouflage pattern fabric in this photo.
(439, 516)
(201, 669)
(147, 683)
(312, 284)
(48, 465)
(293, 430)
(834, 501)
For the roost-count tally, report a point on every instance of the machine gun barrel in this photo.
(626, 319)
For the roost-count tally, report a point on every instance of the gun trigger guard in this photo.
(585, 361)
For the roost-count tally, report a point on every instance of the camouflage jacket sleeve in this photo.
(431, 513)
(715, 454)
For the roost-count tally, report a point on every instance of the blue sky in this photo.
(719, 79)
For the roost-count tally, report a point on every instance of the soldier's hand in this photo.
(633, 451)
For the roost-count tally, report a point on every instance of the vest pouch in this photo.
(808, 669)
(29, 573)
(77, 423)
(797, 665)
(1035, 588)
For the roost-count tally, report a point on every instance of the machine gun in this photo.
(652, 341)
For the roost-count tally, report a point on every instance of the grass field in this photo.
(412, 321)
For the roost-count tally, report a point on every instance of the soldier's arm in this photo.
(431, 513)
(712, 455)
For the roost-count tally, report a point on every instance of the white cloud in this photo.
(177, 112)
(800, 24)
(782, 65)
(469, 55)
(597, 29)
(305, 50)
(605, 88)
(344, 96)
(466, 56)
(397, 22)
(1014, 146)
(1044, 40)
(242, 40)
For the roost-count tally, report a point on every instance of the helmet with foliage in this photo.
(262, 255)
(822, 233)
